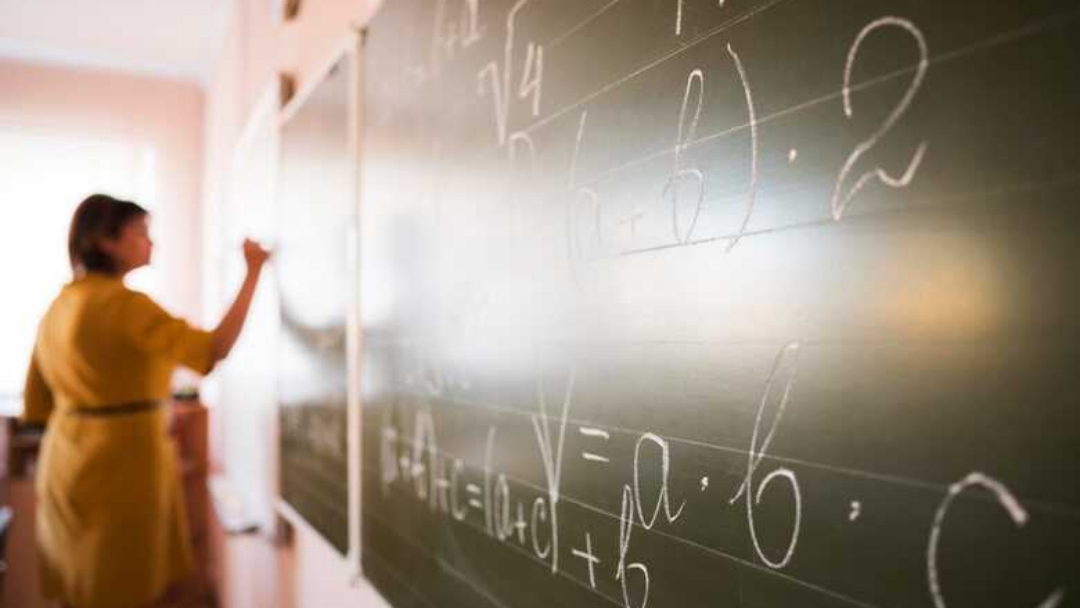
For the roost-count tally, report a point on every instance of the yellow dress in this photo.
(111, 523)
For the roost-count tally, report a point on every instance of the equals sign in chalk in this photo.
(474, 502)
(594, 433)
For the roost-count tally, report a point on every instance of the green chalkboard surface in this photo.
(315, 211)
(704, 303)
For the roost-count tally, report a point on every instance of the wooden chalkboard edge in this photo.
(338, 55)
(285, 11)
(286, 88)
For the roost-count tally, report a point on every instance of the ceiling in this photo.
(171, 38)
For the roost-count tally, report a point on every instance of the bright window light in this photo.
(43, 177)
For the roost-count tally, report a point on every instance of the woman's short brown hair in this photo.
(98, 217)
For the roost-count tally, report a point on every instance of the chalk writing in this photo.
(621, 173)
(788, 355)
(695, 88)
(551, 451)
(500, 75)
(624, 568)
(1016, 511)
(589, 557)
(841, 198)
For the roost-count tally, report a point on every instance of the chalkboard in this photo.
(316, 213)
(692, 303)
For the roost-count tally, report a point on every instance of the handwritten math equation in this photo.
(414, 465)
(654, 494)
(599, 225)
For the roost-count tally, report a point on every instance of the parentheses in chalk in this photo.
(751, 192)
(575, 251)
(538, 515)
(457, 510)
(519, 140)
(551, 454)
(504, 526)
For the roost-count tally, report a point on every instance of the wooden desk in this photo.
(21, 445)
(5, 522)
(189, 429)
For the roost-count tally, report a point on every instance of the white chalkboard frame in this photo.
(346, 54)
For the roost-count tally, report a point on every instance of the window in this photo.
(43, 177)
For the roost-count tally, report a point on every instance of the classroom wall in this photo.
(165, 113)
(307, 573)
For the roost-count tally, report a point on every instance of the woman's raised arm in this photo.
(227, 332)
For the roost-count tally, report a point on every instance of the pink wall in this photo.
(164, 113)
(254, 574)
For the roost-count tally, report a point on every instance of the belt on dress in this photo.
(122, 409)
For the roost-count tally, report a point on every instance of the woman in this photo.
(110, 521)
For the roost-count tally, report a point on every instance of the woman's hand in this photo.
(228, 330)
(255, 255)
